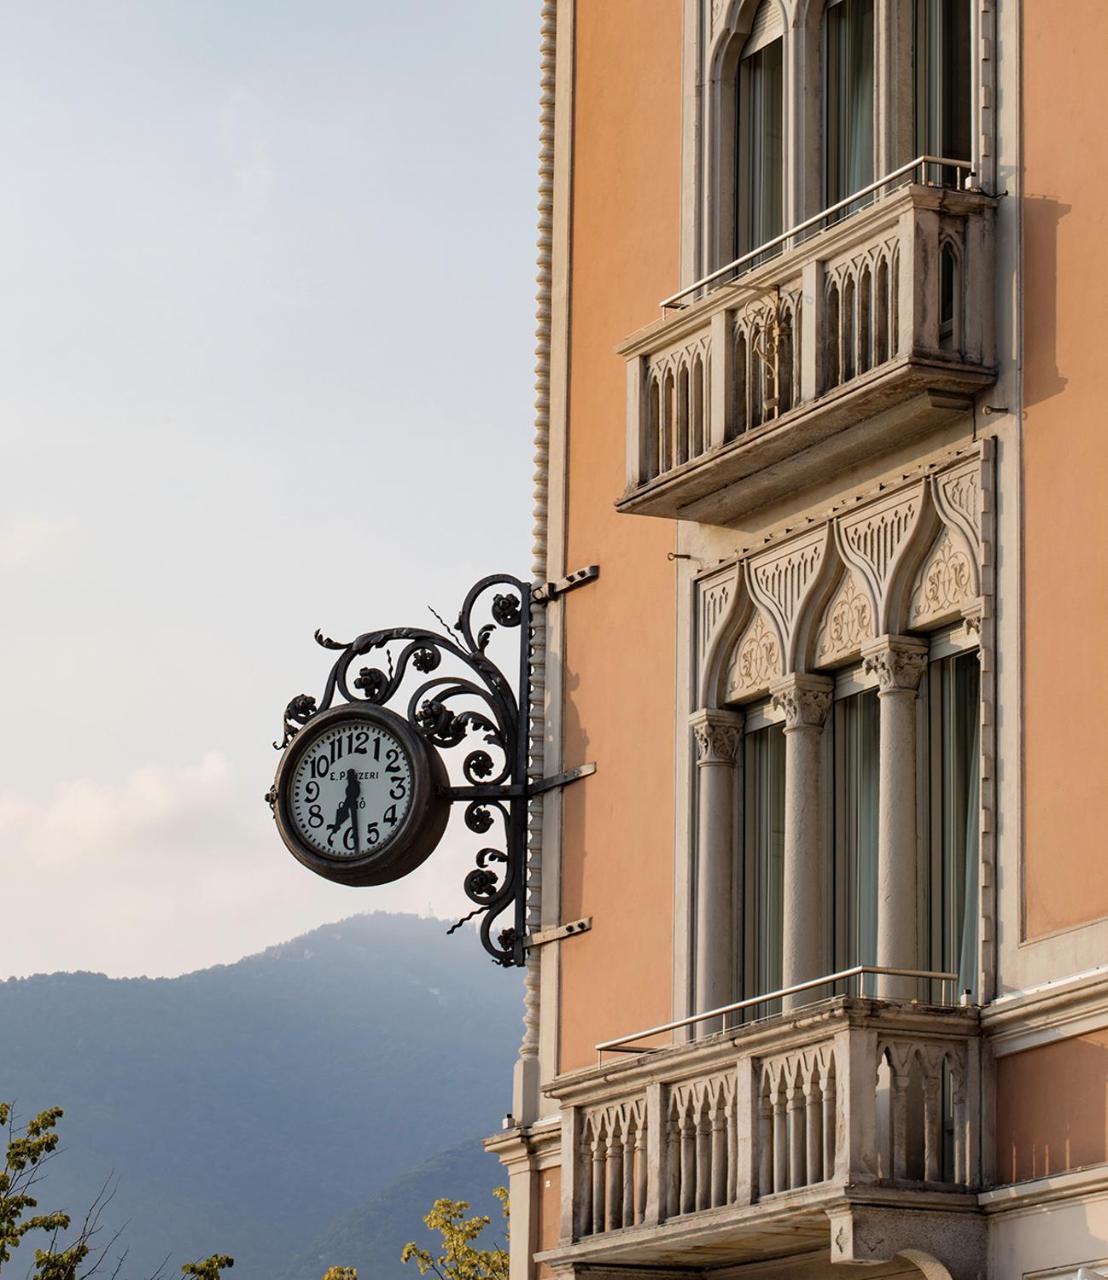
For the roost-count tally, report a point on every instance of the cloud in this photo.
(172, 869)
(24, 541)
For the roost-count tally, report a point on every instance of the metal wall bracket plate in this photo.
(557, 932)
(578, 578)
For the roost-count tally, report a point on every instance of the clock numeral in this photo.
(390, 815)
(315, 817)
(348, 838)
(320, 766)
(399, 789)
(360, 739)
(392, 755)
(372, 834)
(335, 748)
(377, 748)
(311, 792)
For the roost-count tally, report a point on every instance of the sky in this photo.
(266, 336)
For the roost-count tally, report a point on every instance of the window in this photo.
(855, 736)
(942, 68)
(763, 863)
(848, 97)
(760, 160)
(953, 691)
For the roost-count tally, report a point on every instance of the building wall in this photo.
(1051, 1108)
(1065, 249)
(619, 646)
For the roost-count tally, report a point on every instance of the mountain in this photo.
(253, 1108)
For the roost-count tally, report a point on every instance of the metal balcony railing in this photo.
(950, 173)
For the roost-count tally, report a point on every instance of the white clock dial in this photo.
(352, 790)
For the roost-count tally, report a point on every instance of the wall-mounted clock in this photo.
(361, 797)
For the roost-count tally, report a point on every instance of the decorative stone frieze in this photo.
(898, 662)
(804, 700)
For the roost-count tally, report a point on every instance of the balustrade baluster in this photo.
(899, 1123)
(584, 1174)
(703, 1160)
(614, 1195)
(780, 1140)
(673, 1167)
(688, 1160)
(797, 1142)
(814, 1128)
(598, 1182)
(640, 1171)
(732, 1153)
(765, 1145)
(830, 1122)
(628, 1172)
(932, 1127)
(719, 1155)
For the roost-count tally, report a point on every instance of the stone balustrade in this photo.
(870, 332)
(783, 1115)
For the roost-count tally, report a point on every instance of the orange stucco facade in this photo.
(1065, 317)
(619, 700)
(1052, 1108)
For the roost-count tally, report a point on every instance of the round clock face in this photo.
(351, 790)
(361, 797)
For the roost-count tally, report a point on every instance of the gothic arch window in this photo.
(747, 110)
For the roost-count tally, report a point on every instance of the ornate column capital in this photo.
(804, 699)
(898, 662)
(718, 736)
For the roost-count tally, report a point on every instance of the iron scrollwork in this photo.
(469, 706)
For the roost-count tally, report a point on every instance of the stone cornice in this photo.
(1055, 1011)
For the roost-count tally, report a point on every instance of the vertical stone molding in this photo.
(805, 701)
(717, 736)
(898, 662)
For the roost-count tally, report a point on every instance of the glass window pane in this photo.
(764, 855)
(942, 70)
(761, 153)
(856, 728)
(954, 691)
(848, 97)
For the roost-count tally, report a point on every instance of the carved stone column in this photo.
(805, 701)
(898, 662)
(718, 737)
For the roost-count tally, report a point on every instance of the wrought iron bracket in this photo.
(470, 705)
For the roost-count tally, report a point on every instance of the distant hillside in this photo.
(254, 1108)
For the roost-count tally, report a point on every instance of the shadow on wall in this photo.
(1051, 1113)
(1041, 218)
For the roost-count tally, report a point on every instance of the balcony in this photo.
(850, 1126)
(860, 335)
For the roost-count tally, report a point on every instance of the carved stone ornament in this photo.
(898, 662)
(847, 623)
(804, 700)
(757, 660)
(782, 579)
(946, 582)
(872, 539)
(718, 736)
